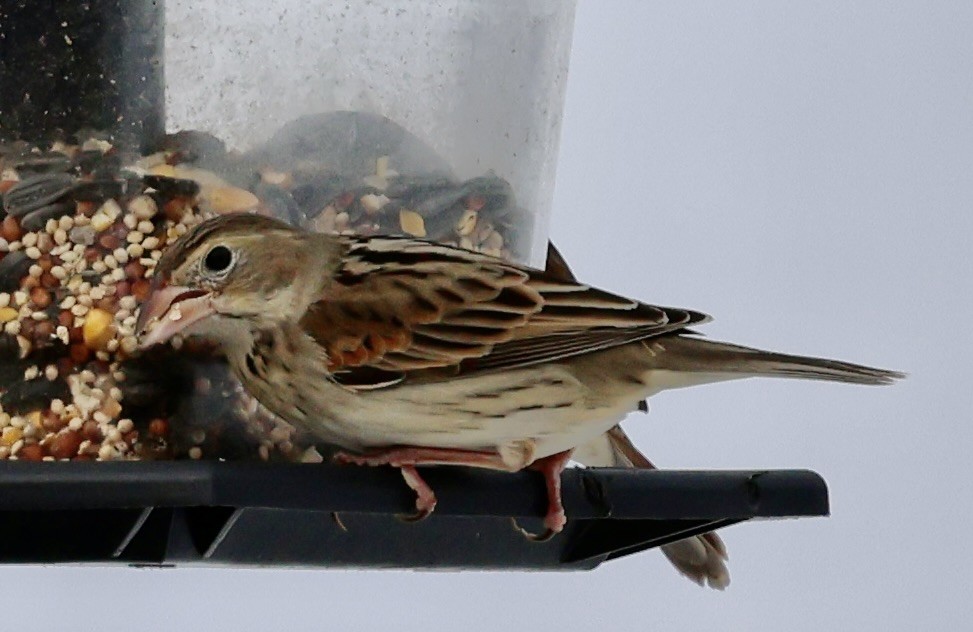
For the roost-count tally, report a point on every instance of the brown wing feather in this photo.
(423, 311)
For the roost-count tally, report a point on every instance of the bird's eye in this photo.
(218, 259)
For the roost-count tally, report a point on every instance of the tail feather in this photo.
(701, 558)
(690, 353)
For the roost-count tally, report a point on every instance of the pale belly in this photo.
(544, 407)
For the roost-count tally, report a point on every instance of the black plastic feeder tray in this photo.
(253, 514)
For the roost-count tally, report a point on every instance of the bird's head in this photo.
(231, 271)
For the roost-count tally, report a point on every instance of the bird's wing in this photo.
(419, 310)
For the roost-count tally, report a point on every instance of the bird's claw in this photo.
(418, 516)
(544, 536)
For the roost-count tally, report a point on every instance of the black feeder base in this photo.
(273, 515)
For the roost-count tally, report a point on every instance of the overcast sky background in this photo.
(803, 172)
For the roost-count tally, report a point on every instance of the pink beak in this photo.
(169, 311)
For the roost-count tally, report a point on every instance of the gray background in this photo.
(804, 174)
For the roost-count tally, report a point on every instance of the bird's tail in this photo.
(684, 354)
(701, 558)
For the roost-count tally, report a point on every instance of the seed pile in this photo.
(82, 227)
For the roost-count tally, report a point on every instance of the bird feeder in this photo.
(121, 123)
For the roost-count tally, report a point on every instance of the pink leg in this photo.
(406, 458)
(425, 498)
(407, 455)
(554, 521)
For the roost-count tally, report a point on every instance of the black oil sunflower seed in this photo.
(33, 193)
(24, 397)
(43, 162)
(36, 220)
(98, 191)
(172, 187)
(13, 267)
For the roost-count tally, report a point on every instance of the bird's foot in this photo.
(425, 497)
(554, 520)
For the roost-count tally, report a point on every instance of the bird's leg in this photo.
(406, 458)
(410, 455)
(425, 497)
(554, 521)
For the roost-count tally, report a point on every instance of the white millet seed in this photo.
(20, 297)
(121, 255)
(110, 262)
(59, 273)
(33, 252)
(66, 223)
(111, 209)
(130, 344)
(39, 315)
(150, 243)
(79, 309)
(69, 301)
(134, 237)
(125, 426)
(130, 222)
(31, 373)
(50, 372)
(60, 236)
(35, 271)
(126, 302)
(106, 452)
(135, 250)
(4, 299)
(76, 423)
(100, 222)
(143, 207)
(29, 239)
(50, 226)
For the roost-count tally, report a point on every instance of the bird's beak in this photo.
(170, 310)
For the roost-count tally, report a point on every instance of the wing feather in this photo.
(403, 309)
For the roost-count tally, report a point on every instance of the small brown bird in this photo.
(407, 353)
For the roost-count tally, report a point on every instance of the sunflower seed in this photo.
(173, 187)
(37, 191)
(13, 268)
(37, 219)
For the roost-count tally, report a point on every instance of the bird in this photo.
(407, 353)
(701, 558)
